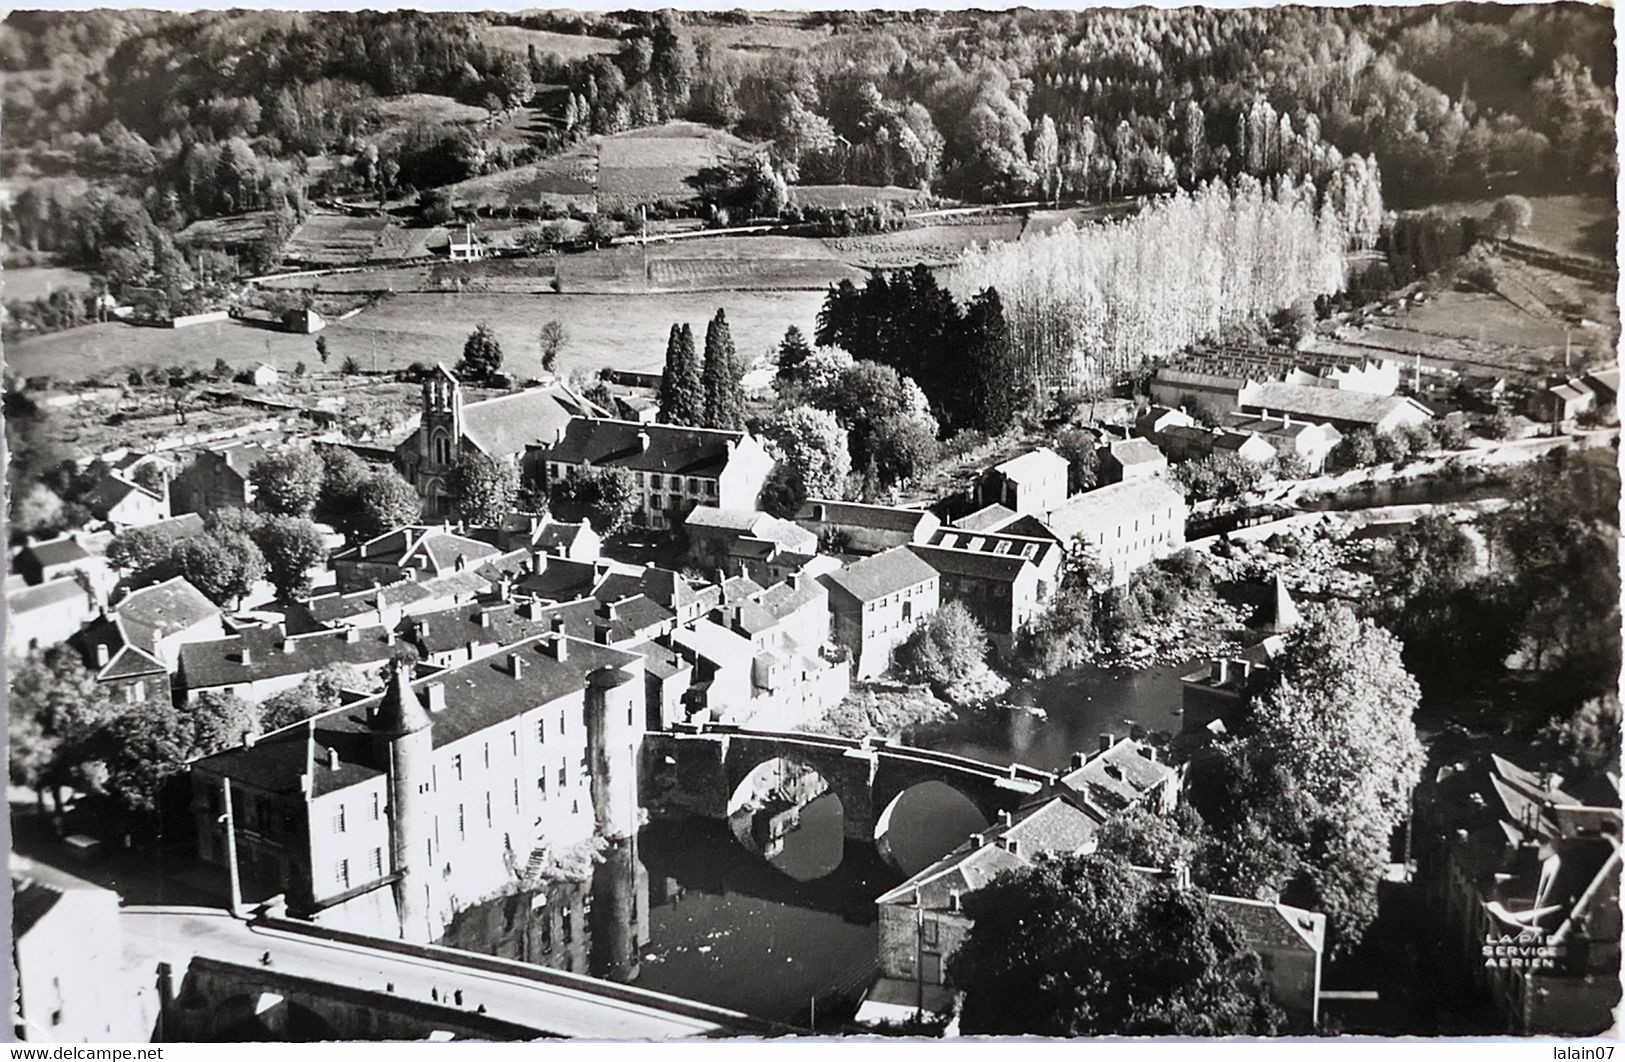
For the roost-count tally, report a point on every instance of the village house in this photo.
(1561, 402)
(674, 468)
(124, 503)
(217, 478)
(1310, 443)
(1345, 410)
(67, 956)
(1247, 445)
(1120, 775)
(418, 552)
(747, 542)
(1034, 483)
(39, 617)
(500, 428)
(462, 245)
(1127, 459)
(264, 377)
(1003, 580)
(556, 538)
(53, 558)
(877, 602)
(1156, 419)
(856, 527)
(1125, 525)
(260, 662)
(988, 518)
(389, 814)
(1525, 875)
(134, 647)
(382, 606)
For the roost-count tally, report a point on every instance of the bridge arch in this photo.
(946, 812)
(765, 815)
(255, 1017)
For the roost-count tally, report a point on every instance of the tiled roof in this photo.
(782, 599)
(110, 490)
(742, 521)
(987, 518)
(1106, 507)
(453, 628)
(658, 660)
(884, 573)
(560, 580)
(973, 564)
(644, 447)
(1273, 925)
(403, 546)
(1033, 463)
(64, 550)
(1118, 777)
(1136, 452)
(857, 514)
(163, 609)
(712, 641)
(1034, 549)
(1052, 827)
(507, 424)
(48, 594)
(1325, 403)
(271, 654)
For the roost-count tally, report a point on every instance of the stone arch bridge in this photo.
(701, 769)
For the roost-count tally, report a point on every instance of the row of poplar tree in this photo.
(708, 394)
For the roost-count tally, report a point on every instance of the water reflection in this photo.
(930, 820)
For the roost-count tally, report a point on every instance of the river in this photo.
(686, 909)
(1420, 490)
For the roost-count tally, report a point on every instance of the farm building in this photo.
(1126, 459)
(1344, 410)
(1033, 483)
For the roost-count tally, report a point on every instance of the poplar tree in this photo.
(724, 391)
(682, 398)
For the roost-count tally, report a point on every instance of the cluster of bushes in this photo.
(1364, 448)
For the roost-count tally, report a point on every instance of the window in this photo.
(541, 785)
(516, 792)
(488, 755)
(341, 873)
(657, 501)
(488, 807)
(462, 822)
(377, 862)
(565, 925)
(338, 820)
(561, 722)
(513, 735)
(654, 482)
(541, 731)
(377, 807)
(928, 931)
(711, 488)
(564, 776)
(457, 765)
(693, 485)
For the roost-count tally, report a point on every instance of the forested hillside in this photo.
(200, 115)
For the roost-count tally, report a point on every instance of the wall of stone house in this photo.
(1290, 975)
(903, 941)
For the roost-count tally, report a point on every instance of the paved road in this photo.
(176, 935)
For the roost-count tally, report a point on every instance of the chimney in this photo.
(561, 648)
(287, 645)
(1149, 752)
(437, 697)
(1078, 760)
(249, 737)
(794, 579)
(485, 619)
(389, 637)
(1105, 742)
(977, 840)
(719, 575)
(643, 442)
(600, 633)
(245, 656)
(1006, 820)
(504, 588)
(352, 634)
(557, 624)
(516, 665)
(538, 560)
(1243, 668)
(423, 627)
(1182, 875)
(332, 759)
(101, 654)
(1221, 672)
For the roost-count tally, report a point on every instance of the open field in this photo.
(1042, 221)
(563, 45)
(930, 244)
(36, 282)
(334, 239)
(563, 180)
(656, 163)
(233, 230)
(850, 196)
(767, 34)
(624, 331)
(1567, 224)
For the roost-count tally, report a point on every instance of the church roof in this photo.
(506, 424)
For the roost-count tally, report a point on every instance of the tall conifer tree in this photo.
(724, 390)
(682, 396)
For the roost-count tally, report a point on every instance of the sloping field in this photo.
(335, 239)
(656, 163)
(233, 230)
(564, 180)
(36, 282)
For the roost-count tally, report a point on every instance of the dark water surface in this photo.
(686, 909)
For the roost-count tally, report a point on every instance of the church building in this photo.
(498, 427)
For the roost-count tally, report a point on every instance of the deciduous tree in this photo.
(484, 489)
(288, 483)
